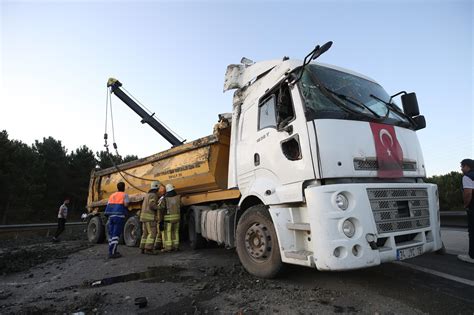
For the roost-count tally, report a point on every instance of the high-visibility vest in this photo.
(116, 205)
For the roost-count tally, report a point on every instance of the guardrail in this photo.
(448, 219)
(35, 226)
(454, 219)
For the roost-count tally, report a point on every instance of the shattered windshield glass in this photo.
(329, 93)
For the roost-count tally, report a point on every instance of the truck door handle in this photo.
(256, 159)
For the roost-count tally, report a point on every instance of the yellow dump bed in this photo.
(198, 170)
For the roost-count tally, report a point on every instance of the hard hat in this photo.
(155, 184)
(169, 187)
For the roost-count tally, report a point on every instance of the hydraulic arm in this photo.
(146, 118)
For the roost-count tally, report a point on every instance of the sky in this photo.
(56, 57)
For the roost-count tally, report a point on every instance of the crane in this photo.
(115, 86)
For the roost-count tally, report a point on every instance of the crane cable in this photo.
(109, 154)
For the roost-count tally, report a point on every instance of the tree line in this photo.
(34, 180)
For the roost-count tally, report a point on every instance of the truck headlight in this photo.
(342, 202)
(348, 228)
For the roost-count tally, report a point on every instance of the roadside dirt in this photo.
(73, 276)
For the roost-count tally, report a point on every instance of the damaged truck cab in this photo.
(337, 164)
(316, 166)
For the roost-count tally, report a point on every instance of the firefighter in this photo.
(148, 219)
(159, 218)
(116, 211)
(170, 206)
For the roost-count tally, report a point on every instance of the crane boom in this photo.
(115, 85)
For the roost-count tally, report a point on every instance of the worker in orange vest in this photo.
(116, 211)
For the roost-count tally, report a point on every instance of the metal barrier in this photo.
(36, 226)
(454, 219)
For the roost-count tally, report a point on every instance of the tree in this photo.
(106, 160)
(53, 163)
(449, 190)
(81, 163)
(129, 158)
(19, 178)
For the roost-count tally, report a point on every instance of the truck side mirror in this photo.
(283, 125)
(410, 105)
(420, 122)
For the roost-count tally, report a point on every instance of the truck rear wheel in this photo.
(132, 232)
(95, 230)
(196, 241)
(257, 243)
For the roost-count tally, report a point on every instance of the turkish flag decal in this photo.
(388, 150)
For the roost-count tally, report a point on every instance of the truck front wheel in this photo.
(95, 230)
(257, 243)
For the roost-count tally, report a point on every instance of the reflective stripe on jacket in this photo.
(149, 206)
(173, 207)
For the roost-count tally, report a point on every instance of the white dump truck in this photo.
(315, 166)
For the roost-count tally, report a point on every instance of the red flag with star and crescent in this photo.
(389, 153)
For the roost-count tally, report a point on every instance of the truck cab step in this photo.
(298, 254)
(298, 226)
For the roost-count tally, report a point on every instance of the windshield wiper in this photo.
(354, 101)
(330, 95)
(393, 108)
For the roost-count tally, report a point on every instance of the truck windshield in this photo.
(329, 93)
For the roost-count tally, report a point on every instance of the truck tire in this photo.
(95, 230)
(132, 232)
(257, 243)
(196, 240)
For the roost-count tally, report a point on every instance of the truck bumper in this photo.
(391, 222)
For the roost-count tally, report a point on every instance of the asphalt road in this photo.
(78, 278)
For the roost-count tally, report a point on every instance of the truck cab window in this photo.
(291, 148)
(285, 111)
(266, 113)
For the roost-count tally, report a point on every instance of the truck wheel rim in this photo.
(258, 242)
(92, 230)
(132, 231)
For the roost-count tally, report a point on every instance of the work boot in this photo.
(116, 255)
(466, 258)
(142, 250)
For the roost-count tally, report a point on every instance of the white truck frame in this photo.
(312, 190)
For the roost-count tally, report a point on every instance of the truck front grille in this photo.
(371, 164)
(399, 209)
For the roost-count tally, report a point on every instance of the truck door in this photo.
(282, 148)
(246, 148)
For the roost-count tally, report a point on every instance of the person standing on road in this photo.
(467, 167)
(159, 218)
(62, 216)
(148, 218)
(171, 207)
(116, 211)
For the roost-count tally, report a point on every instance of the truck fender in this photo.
(264, 187)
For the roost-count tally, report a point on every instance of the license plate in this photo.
(409, 252)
